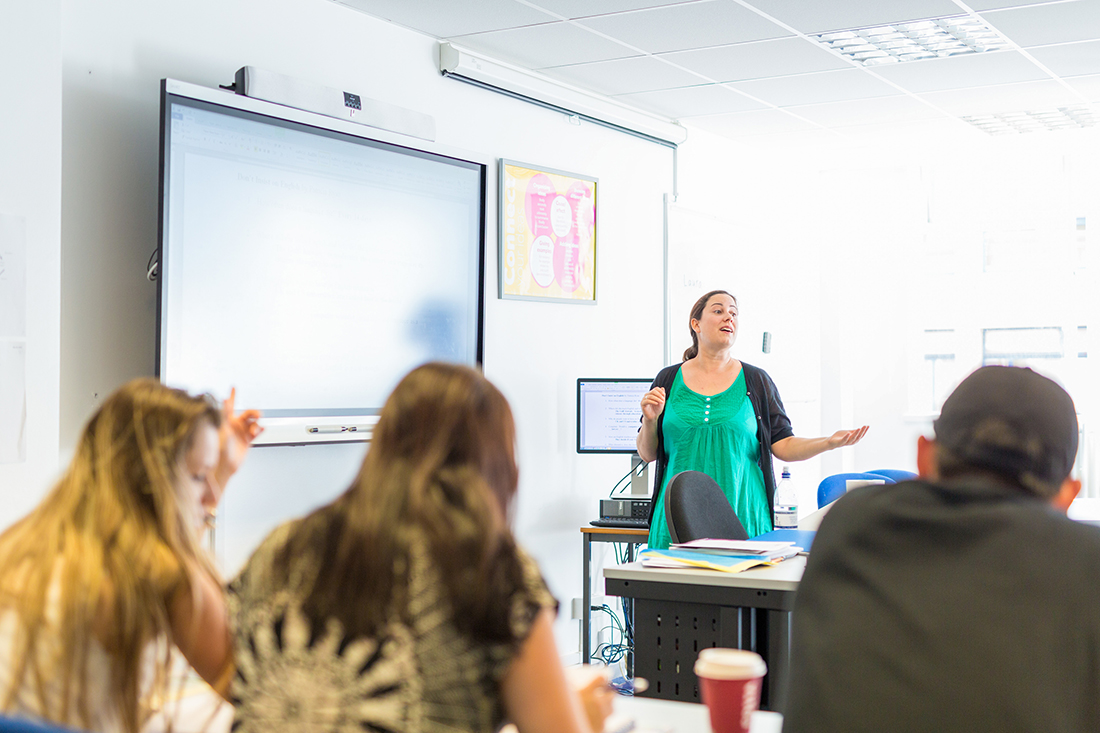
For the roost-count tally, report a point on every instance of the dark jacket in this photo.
(961, 606)
(772, 424)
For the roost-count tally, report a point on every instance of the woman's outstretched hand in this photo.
(842, 438)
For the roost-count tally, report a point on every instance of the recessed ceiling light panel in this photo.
(1063, 118)
(956, 35)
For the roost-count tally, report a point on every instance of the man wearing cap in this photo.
(964, 600)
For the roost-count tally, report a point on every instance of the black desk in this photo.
(599, 534)
(679, 612)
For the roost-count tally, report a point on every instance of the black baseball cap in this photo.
(1015, 422)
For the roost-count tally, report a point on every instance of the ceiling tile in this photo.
(785, 143)
(900, 108)
(1070, 59)
(624, 76)
(1087, 86)
(758, 122)
(445, 18)
(758, 59)
(1026, 97)
(550, 44)
(824, 86)
(1077, 20)
(682, 27)
(817, 16)
(957, 72)
(707, 99)
(983, 5)
(923, 133)
(586, 8)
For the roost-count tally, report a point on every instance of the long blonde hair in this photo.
(115, 541)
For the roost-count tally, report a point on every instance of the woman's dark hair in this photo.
(440, 475)
(696, 314)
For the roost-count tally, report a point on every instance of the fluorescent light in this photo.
(1006, 123)
(956, 35)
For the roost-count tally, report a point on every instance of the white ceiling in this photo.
(743, 68)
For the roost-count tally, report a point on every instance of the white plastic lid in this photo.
(786, 471)
(730, 664)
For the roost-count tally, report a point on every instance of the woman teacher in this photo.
(716, 414)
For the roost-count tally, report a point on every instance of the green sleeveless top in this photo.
(716, 435)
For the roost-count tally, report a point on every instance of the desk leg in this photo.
(779, 657)
(586, 600)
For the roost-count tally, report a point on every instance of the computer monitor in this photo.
(609, 414)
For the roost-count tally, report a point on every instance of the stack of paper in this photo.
(732, 547)
(728, 556)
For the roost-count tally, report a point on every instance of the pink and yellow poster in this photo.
(547, 234)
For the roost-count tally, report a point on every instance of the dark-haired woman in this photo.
(405, 605)
(716, 414)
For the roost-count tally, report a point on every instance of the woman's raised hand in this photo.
(653, 403)
(235, 437)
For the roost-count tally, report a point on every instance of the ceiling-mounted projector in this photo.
(343, 105)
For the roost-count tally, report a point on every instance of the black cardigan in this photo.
(769, 412)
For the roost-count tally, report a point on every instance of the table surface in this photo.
(783, 577)
(669, 716)
(623, 531)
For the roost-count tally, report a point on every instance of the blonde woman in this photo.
(102, 580)
(405, 605)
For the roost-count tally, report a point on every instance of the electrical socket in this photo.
(577, 609)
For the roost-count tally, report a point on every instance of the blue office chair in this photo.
(895, 473)
(833, 487)
(696, 508)
(24, 725)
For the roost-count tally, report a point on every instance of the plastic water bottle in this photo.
(786, 503)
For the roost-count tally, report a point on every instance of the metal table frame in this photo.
(599, 534)
(679, 612)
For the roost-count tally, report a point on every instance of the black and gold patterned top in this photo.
(420, 675)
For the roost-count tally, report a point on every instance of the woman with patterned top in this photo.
(405, 606)
(716, 414)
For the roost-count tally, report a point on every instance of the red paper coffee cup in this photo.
(729, 680)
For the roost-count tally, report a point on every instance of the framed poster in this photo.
(547, 234)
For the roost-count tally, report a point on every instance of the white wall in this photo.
(115, 53)
(862, 244)
(30, 193)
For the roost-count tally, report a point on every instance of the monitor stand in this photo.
(639, 484)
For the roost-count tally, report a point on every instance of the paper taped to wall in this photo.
(13, 338)
(13, 401)
(13, 276)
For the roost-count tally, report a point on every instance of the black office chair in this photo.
(696, 508)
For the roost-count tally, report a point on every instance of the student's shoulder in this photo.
(869, 501)
(1081, 538)
(864, 511)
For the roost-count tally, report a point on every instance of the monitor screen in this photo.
(608, 414)
(308, 267)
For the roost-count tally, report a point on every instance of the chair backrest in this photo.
(897, 474)
(696, 508)
(833, 487)
(24, 725)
